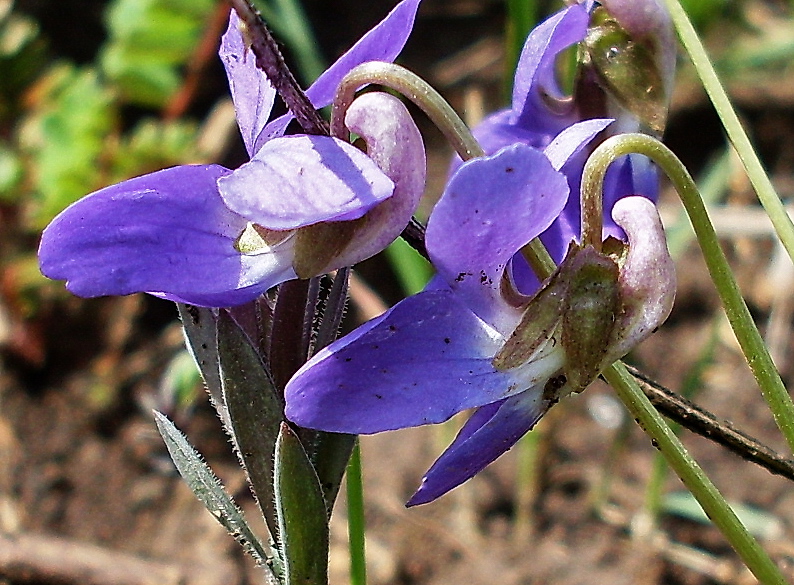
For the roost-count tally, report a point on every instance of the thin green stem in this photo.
(693, 477)
(736, 133)
(592, 201)
(355, 518)
(528, 451)
(522, 15)
(756, 353)
(539, 259)
(415, 89)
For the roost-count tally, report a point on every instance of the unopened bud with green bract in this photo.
(631, 48)
(598, 305)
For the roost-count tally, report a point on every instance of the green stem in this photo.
(528, 451)
(592, 201)
(522, 15)
(736, 133)
(355, 518)
(741, 321)
(693, 477)
(415, 89)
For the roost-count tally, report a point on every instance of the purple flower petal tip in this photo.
(490, 432)
(168, 232)
(252, 93)
(535, 85)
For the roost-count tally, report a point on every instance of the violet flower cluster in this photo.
(486, 334)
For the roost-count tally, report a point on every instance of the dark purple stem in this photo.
(414, 234)
(270, 60)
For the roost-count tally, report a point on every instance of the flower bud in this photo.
(631, 48)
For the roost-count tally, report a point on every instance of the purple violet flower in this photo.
(207, 235)
(472, 340)
(540, 109)
(486, 334)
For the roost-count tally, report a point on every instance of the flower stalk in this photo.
(766, 192)
(693, 477)
(413, 87)
(756, 353)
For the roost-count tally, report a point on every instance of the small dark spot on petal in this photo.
(379, 397)
(447, 340)
(392, 328)
(348, 359)
(509, 169)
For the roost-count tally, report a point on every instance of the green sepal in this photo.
(538, 325)
(199, 325)
(256, 411)
(592, 301)
(302, 519)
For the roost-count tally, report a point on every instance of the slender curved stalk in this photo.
(693, 477)
(756, 353)
(736, 133)
(415, 89)
(356, 528)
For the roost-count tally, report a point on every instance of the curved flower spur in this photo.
(207, 235)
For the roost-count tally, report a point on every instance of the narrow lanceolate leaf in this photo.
(200, 327)
(209, 490)
(256, 411)
(302, 519)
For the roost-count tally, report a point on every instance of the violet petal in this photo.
(299, 180)
(491, 208)
(168, 232)
(490, 432)
(252, 93)
(570, 141)
(425, 360)
(536, 81)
